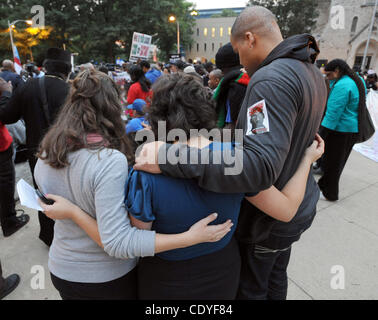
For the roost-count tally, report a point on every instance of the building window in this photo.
(213, 32)
(354, 25)
(204, 47)
(205, 32)
(221, 32)
(197, 32)
(197, 47)
(212, 46)
(229, 31)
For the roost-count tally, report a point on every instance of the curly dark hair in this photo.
(182, 102)
(92, 106)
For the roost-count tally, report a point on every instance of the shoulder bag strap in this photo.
(45, 105)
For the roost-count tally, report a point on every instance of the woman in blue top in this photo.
(168, 205)
(340, 123)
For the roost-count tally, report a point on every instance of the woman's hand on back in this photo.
(202, 232)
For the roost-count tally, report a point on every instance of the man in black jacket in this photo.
(28, 102)
(290, 92)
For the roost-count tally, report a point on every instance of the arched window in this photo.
(197, 32)
(205, 32)
(354, 25)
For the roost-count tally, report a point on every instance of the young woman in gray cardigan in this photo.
(83, 158)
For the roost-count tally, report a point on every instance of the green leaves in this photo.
(91, 27)
(294, 16)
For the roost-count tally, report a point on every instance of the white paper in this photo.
(28, 195)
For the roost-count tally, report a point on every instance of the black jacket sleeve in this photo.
(11, 107)
(259, 159)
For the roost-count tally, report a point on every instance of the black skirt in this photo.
(210, 277)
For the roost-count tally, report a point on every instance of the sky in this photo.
(216, 4)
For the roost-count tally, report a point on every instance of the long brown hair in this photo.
(92, 107)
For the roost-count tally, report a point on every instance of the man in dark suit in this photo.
(38, 102)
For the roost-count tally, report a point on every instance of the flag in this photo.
(17, 61)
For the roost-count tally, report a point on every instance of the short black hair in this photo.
(182, 102)
(145, 64)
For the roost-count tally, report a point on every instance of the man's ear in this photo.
(250, 38)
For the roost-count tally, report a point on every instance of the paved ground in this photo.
(344, 234)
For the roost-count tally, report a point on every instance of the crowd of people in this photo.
(133, 227)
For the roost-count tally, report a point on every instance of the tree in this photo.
(294, 16)
(92, 27)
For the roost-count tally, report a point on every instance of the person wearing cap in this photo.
(191, 71)
(231, 90)
(178, 66)
(136, 123)
(372, 80)
(26, 103)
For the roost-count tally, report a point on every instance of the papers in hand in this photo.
(28, 196)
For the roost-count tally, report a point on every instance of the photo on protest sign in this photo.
(140, 46)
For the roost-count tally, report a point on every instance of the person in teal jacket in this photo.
(340, 123)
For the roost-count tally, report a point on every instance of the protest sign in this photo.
(140, 46)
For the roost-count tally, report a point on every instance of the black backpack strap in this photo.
(45, 105)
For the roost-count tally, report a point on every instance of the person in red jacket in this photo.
(10, 223)
(141, 87)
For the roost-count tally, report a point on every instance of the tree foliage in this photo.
(92, 27)
(294, 16)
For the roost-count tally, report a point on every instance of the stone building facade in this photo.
(341, 31)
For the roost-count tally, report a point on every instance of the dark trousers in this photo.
(7, 186)
(214, 276)
(264, 265)
(46, 233)
(338, 147)
(124, 288)
(263, 273)
(2, 280)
